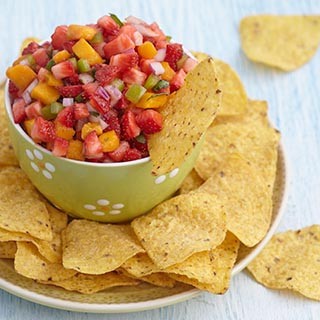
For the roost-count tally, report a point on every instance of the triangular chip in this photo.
(191, 182)
(291, 260)
(180, 227)
(29, 263)
(95, 248)
(285, 42)
(8, 250)
(21, 209)
(187, 115)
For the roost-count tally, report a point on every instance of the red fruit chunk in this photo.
(90, 88)
(59, 37)
(150, 121)
(66, 117)
(60, 147)
(120, 44)
(99, 48)
(18, 111)
(145, 65)
(125, 61)
(63, 70)
(100, 100)
(41, 57)
(142, 147)
(31, 48)
(43, 130)
(108, 25)
(13, 90)
(174, 52)
(131, 32)
(107, 74)
(68, 45)
(161, 40)
(122, 103)
(70, 91)
(111, 119)
(178, 80)
(118, 154)
(92, 146)
(134, 76)
(74, 79)
(33, 110)
(132, 154)
(81, 111)
(129, 127)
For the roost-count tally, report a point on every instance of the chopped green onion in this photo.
(56, 107)
(162, 84)
(97, 38)
(47, 114)
(118, 83)
(50, 64)
(157, 95)
(74, 62)
(116, 19)
(151, 81)
(94, 113)
(181, 61)
(79, 98)
(168, 38)
(83, 65)
(135, 92)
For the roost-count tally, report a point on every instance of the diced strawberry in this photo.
(13, 90)
(33, 110)
(108, 25)
(145, 65)
(118, 154)
(189, 64)
(68, 45)
(43, 130)
(107, 74)
(178, 80)
(161, 40)
(60, 147)
(42, 74)
(129, 127)
(111, 118)
(81, 111)
(124, 60)
(31, 48)
(59, 37)
(99, 48)
(120, 44)
(41, 57)
(70, 91)
(132, 33)
(90, 89)
(74, 79)
(142, 147)
(18, 110)
(66, 117)
(100, 100)
(134, 76)
(63, 70)
(122, 103)
(150, 121)
(132, 154)
(92, 146)
(174, 52)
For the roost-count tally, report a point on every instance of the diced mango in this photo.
(89, 127)
(152, 100)
(45, 93)
(61, 56)
(75, 150)
(147, 50)
(64, 132)
(28, 125)
(52, 81)
(21, 75)
(76, 32)
(168, 71)
(82, 49)
(109, 141)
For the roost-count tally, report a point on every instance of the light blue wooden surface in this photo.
(294, 100)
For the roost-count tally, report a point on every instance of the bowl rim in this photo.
(25, 136)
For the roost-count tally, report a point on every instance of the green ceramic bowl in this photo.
(107, 192)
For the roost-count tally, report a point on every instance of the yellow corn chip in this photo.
(58, 219)
(291, 260)
(29, 263)
(8, 250)
(285, 42)
(180, 227)
(234, 99)
(187, 115)
(209, 270)
(191, 182)
(21, 209)
(95, 248)
(88, 284)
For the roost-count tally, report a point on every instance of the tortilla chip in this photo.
(95, 248)
(88, 284)
(58, 219)
(187, 115)
(291, 260)
(29, 263)
(234, 99)
(21, 209)
(191, 182)
(7, 156)
(285, 42)
(8, 250)
(209, 270)
(26, 42)
(180, 227)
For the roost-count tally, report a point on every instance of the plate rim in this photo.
(68, 305)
